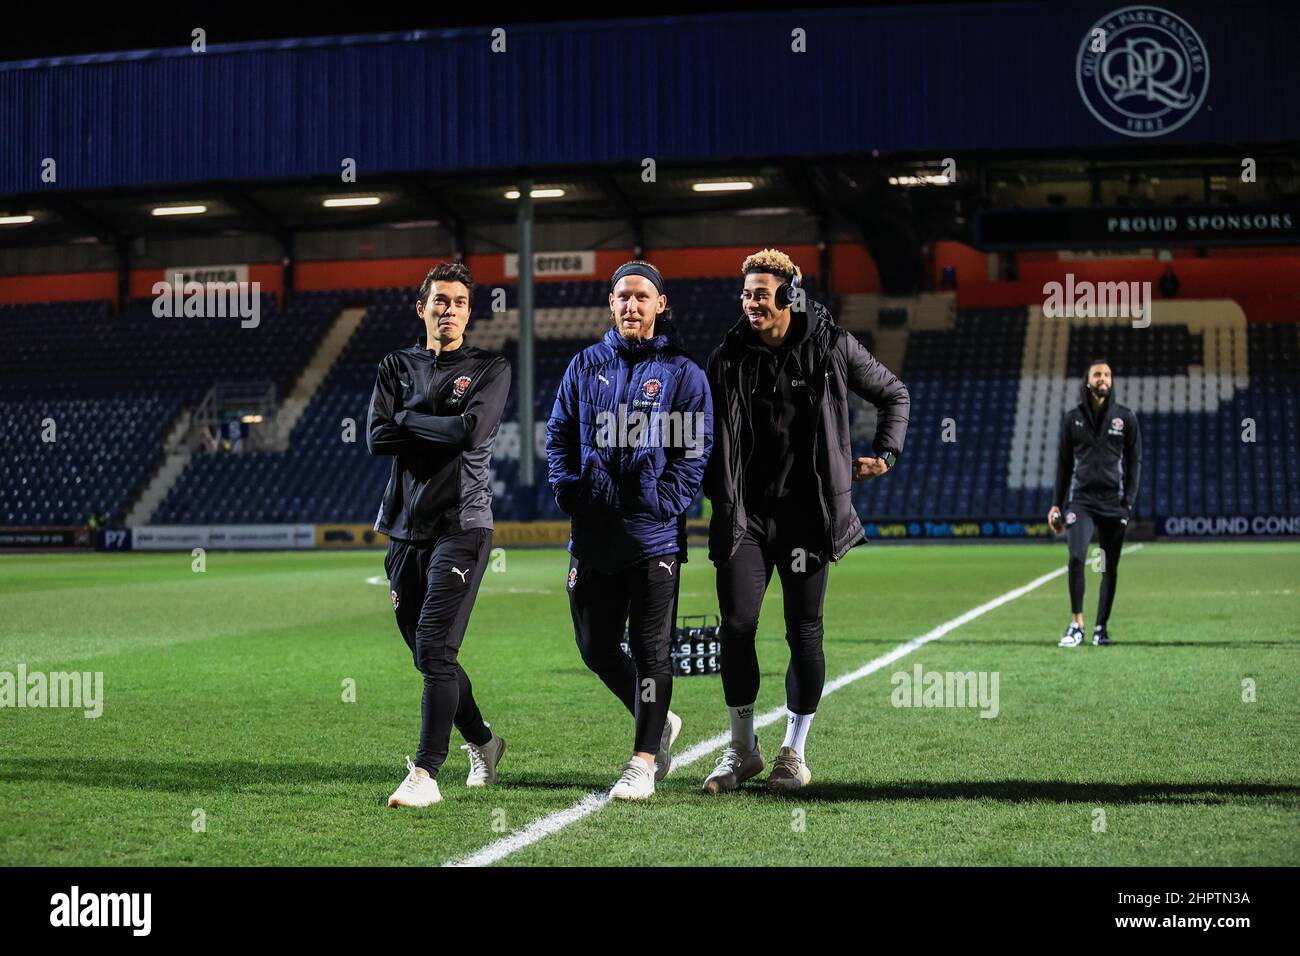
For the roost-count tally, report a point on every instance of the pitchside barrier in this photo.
(555, 534)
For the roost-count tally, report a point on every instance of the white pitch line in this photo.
(542, 827)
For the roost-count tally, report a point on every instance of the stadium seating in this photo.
(99, 456)
(988, 390)
(1006, 377)
(106, 379)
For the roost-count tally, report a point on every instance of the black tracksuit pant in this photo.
(644, 597)
(742, 582)
(1079, 525)
(433, 586)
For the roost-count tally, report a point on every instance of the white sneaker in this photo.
(664, 758)
(417, 790)
(1072, 637)
(789, 772)
(483, 761)
(636, 783)
(735, 766)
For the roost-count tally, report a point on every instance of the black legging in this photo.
(742, 582)
(1110, 535)
(644, 597)
(434, 587)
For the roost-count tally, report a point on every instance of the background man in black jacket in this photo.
(780, 480)
(1098, 465)
(436, 408)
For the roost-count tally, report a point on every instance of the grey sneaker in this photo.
(483, 761)
(664, 758)
(736, 765)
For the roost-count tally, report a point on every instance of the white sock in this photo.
(742, 725)
(796, 730)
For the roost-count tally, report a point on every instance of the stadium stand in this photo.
(1003, 376)
(1196, 377)
(113, 386)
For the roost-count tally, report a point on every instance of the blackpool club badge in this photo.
(459, 387)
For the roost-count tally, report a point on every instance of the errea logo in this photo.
(103, 909)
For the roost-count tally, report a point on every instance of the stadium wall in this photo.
(851, 265)
(910, 78)
(1265, 282)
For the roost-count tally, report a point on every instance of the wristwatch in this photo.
(888, 457)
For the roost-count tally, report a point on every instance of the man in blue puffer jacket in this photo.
(626, 447)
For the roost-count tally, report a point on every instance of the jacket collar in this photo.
(1095, 416)
(815, 319)
(455, 355)
(664, 339)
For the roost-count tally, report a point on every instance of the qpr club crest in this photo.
(393, 594)
(459, 387)
(573, 578)
(1142, 71)
(1117, 424)
(1071, 517)
(651, 389)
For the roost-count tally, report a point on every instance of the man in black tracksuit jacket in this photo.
(1098, 467)
(436, 408)
(780, 480)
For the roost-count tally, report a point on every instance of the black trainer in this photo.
(1099, 636)
(1072, 637)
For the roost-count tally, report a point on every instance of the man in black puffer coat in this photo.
(780, 479)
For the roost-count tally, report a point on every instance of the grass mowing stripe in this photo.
(542, 827)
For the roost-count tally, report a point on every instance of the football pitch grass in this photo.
(224, 706)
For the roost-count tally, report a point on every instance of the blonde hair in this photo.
(770, 260)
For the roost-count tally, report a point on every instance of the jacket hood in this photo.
(1095, 415)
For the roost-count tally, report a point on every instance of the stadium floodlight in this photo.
(739, 185)
(925, 180)
(179, 210)
(16, 220)
(346, 201)
(537, 193)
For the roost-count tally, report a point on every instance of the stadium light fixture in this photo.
(16, 220)
(739, 185)
(179, 210)
(537, 193)
(925, 180)
(251, 419)
(346, 201)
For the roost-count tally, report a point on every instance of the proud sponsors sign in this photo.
(1112, 228)
(235, 537)
(1228, 526)
(958, 529)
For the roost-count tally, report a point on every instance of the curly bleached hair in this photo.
(773, 261)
